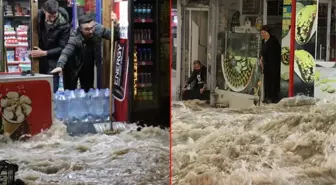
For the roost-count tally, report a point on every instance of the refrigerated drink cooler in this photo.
(140, 72)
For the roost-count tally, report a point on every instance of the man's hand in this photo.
(261, 64)
(114, 17)
(202, 90)
(56, 70)
(37, 52)
(184, 88)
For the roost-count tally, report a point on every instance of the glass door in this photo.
(325, 40)
(332, 39)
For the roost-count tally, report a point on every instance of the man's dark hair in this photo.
(83, 19)
(51, 6)
(197, 62)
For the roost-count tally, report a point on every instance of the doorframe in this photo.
(191, 9)
(181, 44)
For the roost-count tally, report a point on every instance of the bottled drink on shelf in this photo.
(149, 78)
(149, 54)
(136, 35)
(149, 34)
(139, 54)
(144, 94)
(149, 11)
(141, 11)
(136, 11)
(138, 97)
(140, 78)
(144, 34)
(150, 95)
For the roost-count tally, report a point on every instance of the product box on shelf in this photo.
(17, 48)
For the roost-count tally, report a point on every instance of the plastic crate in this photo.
(7, 173)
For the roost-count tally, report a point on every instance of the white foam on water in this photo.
(290, 143)
(55, 158)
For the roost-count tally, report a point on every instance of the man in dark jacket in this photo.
(198, 77)
(53, 30)
(80, 54)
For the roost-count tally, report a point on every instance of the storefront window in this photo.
(325, 49)
(238, 42)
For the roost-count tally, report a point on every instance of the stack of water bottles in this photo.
(79, 107)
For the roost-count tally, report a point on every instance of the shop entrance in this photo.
(195, 39)
(326, 33)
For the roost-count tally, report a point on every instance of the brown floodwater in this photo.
(289, 143)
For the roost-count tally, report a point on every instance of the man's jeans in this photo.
(196, 94)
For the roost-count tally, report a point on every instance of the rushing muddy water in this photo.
(291, 143)
(128, 158)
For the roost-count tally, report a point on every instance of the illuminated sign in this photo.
(135, 70)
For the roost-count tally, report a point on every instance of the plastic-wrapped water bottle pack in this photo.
(78, 106)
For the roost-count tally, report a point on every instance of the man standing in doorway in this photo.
(53, 31)
(81, 50)
(198, 78)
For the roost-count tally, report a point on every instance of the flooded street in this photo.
(128, 158)
(291, 143)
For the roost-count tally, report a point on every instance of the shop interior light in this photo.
(135, 70)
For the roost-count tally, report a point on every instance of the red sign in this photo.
(26, 107)
(120, 81)
(121, 52)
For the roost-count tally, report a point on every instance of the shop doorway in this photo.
(195, 39)
(326, 32)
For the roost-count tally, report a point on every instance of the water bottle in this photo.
(84, 107)
(136, 13)
(141, 11)
(149, 11)
(149, 34)
(106, 95)
(55, 100)
(140, 51)
(88, 99)
(62, 104)
(60, 83)
(149, 55)
(97, 105)
(74, 107)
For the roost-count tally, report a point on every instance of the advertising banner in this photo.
(121, 87)
(24, 110)
(239, 65)
(305, 37)
(120, 81)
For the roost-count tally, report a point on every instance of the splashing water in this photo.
(55, 158)
(290, 143)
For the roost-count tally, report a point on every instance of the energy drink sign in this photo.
(120, 72)
(121, 65)
(305, 36)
